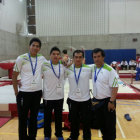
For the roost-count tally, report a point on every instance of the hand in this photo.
(111, 107)
(71, 62)
(64, 62)
(19, 83)
(16, 93)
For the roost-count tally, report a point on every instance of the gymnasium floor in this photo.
(126, 130)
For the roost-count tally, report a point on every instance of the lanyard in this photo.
(54, 71)
(95, 76)
(77, 78)
(33, 69)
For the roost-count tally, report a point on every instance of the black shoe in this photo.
(31, 138)
(69, 138)
(87, 138)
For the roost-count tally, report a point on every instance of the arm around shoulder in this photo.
(15, 82)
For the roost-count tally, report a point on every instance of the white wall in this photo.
(87, 17)
(13, 12)
(124, 16)
(71, 17)
(74, 17)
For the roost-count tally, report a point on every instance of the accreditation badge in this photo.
(33, 84)
(59, 84)
(59, 88)
(78, 92)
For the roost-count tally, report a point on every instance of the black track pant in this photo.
(80, 111)
(28, 103)
(49, 106)
(107, 121)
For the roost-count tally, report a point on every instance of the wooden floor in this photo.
(125, 130)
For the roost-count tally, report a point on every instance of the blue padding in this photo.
(88, 57)
(113, 55)
(138, 74)
(40, 120)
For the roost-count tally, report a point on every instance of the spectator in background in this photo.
(66, 59)
(138, 67)
(114, 64)
(132, 64)
(124, 64)
(137, 57)
(138, 61)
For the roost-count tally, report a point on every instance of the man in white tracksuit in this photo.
(53, 93)
(105, 87)
(79, 97)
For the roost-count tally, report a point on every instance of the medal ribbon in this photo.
(58, 76)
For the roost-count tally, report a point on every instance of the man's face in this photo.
(34, 48)
(78, 59)
(98, 58)
(55, 56)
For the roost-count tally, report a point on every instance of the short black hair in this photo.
(96, 50)
(55, 48)
(64, 51)
(78, 51)
(35, 39)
